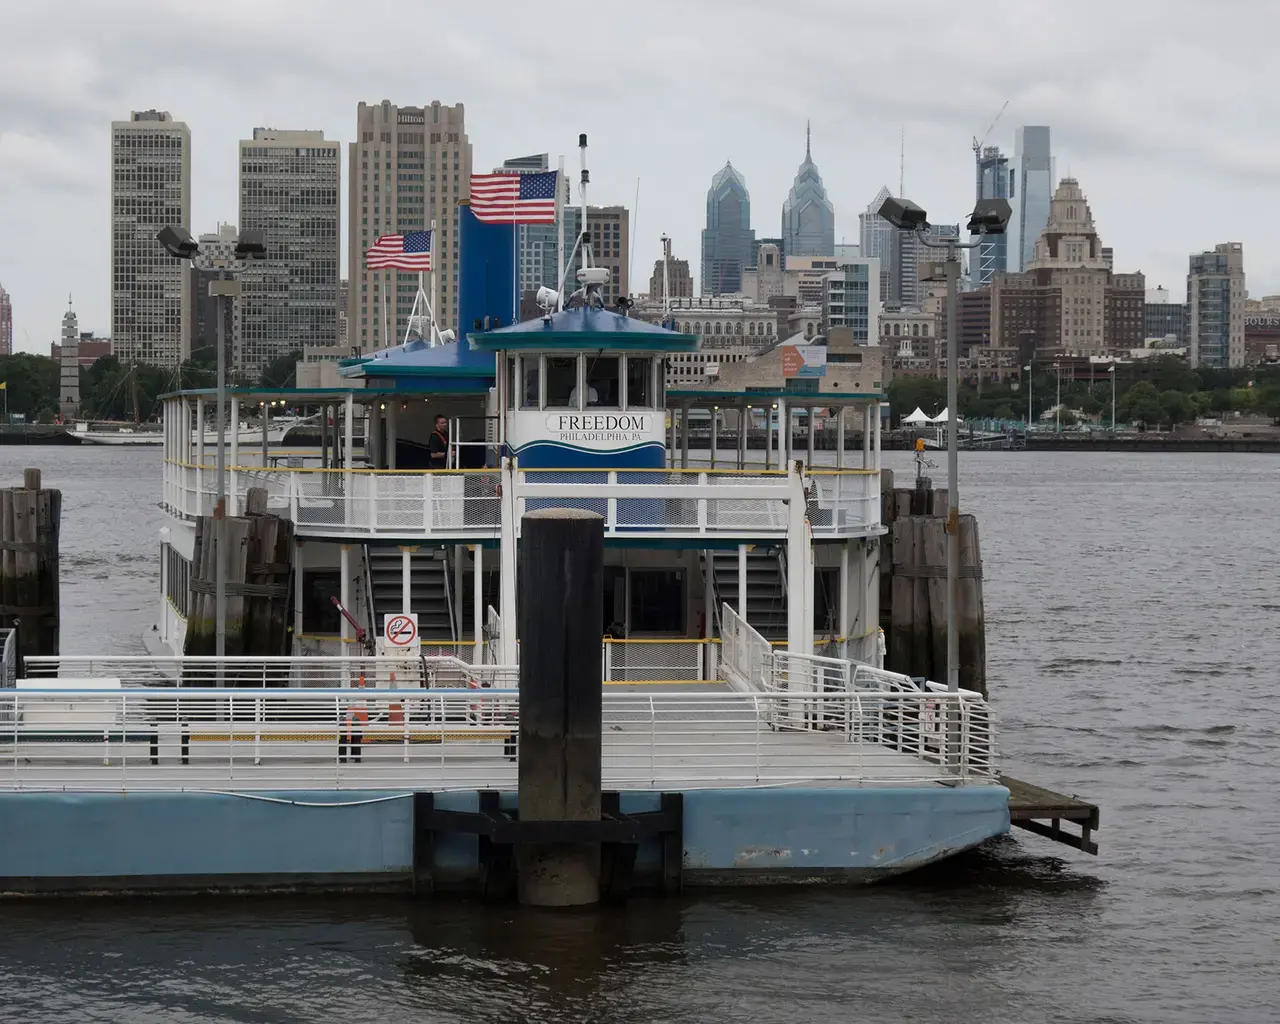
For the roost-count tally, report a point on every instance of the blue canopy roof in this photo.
(585, 327)
(454, 365)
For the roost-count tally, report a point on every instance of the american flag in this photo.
(410, 251)
(509, 197)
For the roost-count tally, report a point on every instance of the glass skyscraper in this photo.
(1032, 189)
(728, 243)
(808, 218)
(993, 182)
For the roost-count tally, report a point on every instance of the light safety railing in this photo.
(403, 740)
(468, 503)
(283, 672)
(659, 661)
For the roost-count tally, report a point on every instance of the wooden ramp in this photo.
(1043, 812)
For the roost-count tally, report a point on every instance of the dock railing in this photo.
(284, 672)
(241, 740)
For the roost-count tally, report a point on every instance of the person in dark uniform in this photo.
(438, 444)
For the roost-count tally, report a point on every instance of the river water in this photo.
(1133, 638)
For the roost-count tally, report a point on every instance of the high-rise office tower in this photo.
(1031, 190)
(1215, 307)
(993, 182)
(150, 189)
(905, 253)
(539, 244)
(6, 323)
(69, 365)
(808, 218)
(289, 191)
(728, 243)
(408, 166)
(217, 249)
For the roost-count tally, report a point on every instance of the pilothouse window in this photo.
(529, 395)
(602, 382)
(639, 382)
(562, 382)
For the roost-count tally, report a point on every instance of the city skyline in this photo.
(54, 142)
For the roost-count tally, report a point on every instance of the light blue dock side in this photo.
(308, 839)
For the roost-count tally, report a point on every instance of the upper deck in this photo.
(568, 409)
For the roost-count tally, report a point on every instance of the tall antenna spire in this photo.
(902, 159)
(806, 139)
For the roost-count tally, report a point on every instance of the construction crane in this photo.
(977, 148)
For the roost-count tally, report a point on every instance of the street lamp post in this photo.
(1112, 371)
(1057, 408)
(178, 243)
(989, 217)
(1027, 368)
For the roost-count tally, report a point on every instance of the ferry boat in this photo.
(741, 662)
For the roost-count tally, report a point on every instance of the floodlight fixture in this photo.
(251, 245)
(990, 217)
(904, 214)
(177, 242)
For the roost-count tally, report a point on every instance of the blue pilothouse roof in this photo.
(453, 367)
(584, 328)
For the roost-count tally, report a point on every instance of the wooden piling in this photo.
(561, 583)
(913, 574)
(260, 553)
(30, 522)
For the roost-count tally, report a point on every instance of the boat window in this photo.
(639, 382)
(603, 387)
(562, 382)
(529, 396)
(513, 381)
(657, 601)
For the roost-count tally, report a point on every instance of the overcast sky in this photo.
(1165, 112)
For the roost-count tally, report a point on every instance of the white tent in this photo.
(916, 418)
(944, 417)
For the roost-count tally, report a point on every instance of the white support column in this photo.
(392, 410)
(784, 435)
(769, 412)
(715, 415)
(866, 436)
(842, 630)
(799, 569)
(813, 415)
(298, 550)
(507, 649)
(477, 605)
(349, 433)
(744, 423)
(233, 477)
(199, 459)
(871, 601)
(742, 581)
(347, 484)
(344, 595)
(875, 430)
(840, 418)
(406, 578)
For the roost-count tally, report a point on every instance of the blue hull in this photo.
(179, 841)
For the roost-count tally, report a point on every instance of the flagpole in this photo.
(515, 266)
(386, 324)
(431, 309)
(561, 194)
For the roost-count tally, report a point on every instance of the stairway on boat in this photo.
(431, 589)
(766, 588)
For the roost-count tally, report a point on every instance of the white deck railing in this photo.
(284, 672)
(453, 504)
(404, 740)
